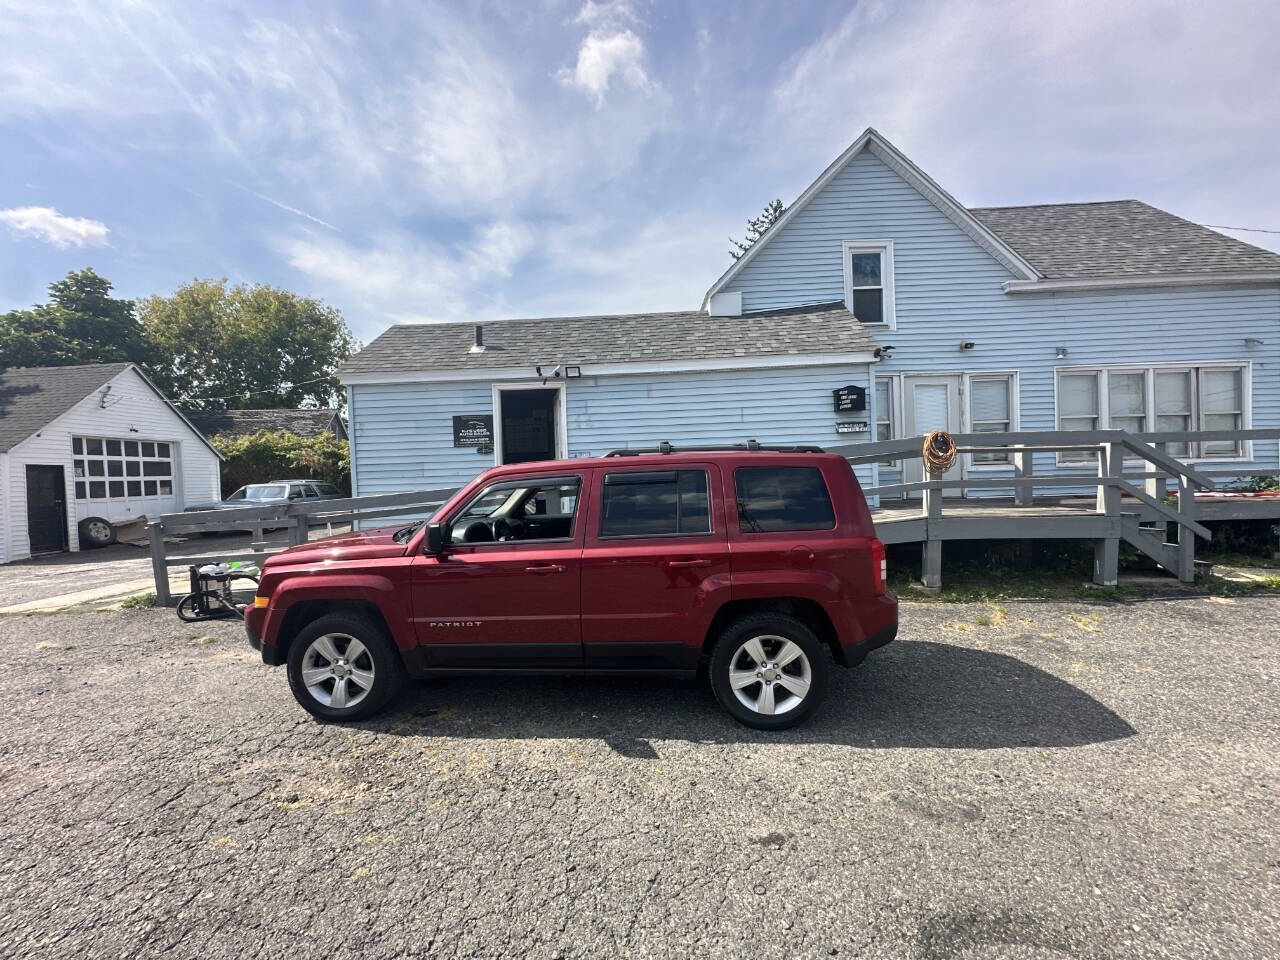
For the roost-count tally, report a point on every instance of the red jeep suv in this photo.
(756, 567)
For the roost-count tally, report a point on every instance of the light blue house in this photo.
(1066, 316)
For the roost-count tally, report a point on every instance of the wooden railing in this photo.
(297, 517)
(1114, 452)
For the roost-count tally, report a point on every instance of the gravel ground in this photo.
(1057, 780)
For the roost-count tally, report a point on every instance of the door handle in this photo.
(545, 568)
(682, 564)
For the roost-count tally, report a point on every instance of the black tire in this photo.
(96, 532)
(388, 669)
(728, 655)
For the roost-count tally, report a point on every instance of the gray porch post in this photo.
(1106, 550)
(1186, 539)
(159, 569)
(931, 549)
(1023, 466)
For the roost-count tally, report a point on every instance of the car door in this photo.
(506, 591)
(655, 566)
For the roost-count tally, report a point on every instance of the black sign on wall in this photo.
(849, 399)
(473, 430)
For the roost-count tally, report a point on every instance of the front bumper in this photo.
(255, 638)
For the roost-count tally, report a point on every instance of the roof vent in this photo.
(478, 346)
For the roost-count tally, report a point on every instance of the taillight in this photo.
(879, 566)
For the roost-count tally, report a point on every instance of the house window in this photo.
(1078, 401)
(868, 281)
(884, 414)
(117, 469)
(1127, 400)
(1221, 408)
(1164, 399)
(990, 411)
(1173, 396)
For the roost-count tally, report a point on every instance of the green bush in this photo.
(279, 455)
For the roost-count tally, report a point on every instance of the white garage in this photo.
(84, 444)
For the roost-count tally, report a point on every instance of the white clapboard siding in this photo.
(948, 289)
(134, 412)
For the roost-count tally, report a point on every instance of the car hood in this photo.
(357, 545)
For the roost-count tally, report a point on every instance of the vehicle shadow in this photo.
(910, 694)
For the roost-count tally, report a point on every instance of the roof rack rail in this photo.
(752, 446)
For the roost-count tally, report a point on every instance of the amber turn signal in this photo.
(261, 601)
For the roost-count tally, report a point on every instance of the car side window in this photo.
(772, 499)
(655, 503)
(309, 491)
(519, 510)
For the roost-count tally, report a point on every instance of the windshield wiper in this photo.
(403, 534)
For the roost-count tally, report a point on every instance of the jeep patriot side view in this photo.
(758, 568)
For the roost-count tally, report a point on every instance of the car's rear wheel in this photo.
(344, 667)
(769, 671)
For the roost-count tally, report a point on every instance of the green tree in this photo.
(269, 455)
(756, 227)
(218, 346)
(81, 323)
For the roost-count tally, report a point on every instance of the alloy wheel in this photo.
(770, 675)
(337, 670)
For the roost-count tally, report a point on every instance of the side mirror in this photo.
(435, 540)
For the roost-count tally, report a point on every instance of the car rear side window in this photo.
(782, 498)
(655, 503)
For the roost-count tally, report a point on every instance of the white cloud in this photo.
(611, 49)
(54, 228)
(405, 278)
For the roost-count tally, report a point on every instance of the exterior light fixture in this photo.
(1252, 342)
(572, 371)
(1060, 353)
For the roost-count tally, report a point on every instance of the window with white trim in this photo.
(884, 414)
(108, 469)
(868, 281)
(1166, 398)
(991, 411)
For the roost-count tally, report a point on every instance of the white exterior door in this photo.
(931, 403)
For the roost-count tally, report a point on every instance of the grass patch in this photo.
(143, 601)
(1220, 587)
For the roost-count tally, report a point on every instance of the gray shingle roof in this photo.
(632, 337)
(303, 423)
(1119, 238)
(33, 397)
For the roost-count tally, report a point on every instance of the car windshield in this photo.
(260, 491)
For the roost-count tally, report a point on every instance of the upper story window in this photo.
(868, 281)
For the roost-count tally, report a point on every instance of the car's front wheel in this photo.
(344, 667)
(769, 671)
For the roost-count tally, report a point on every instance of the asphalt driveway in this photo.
(1033, 780)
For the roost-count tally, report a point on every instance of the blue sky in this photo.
(416, 161)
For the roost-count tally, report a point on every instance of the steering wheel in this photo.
(505, 528)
